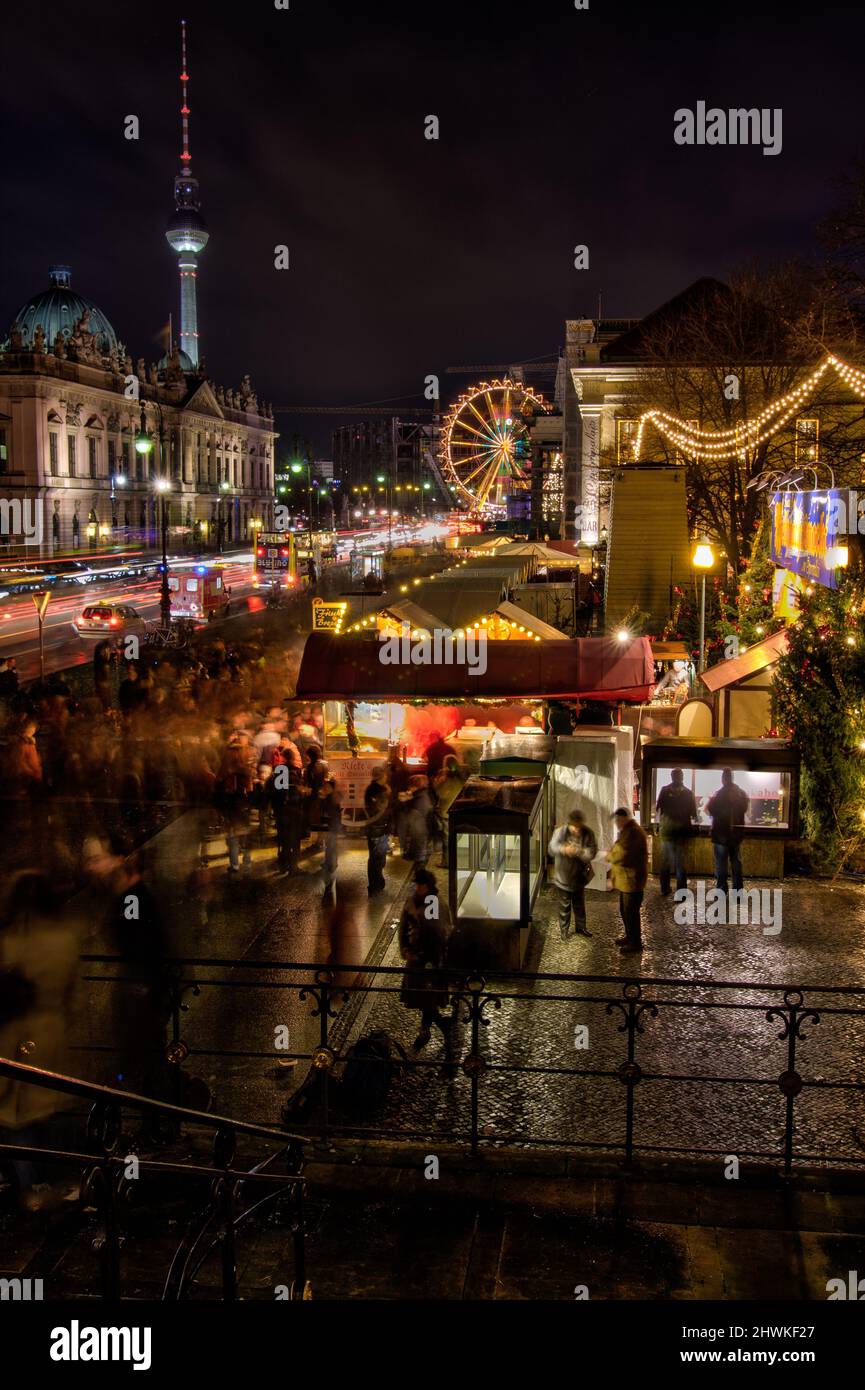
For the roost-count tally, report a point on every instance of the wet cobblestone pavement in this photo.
(559, 1101)
(538, 1086)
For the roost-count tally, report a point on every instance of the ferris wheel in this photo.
(485, 442)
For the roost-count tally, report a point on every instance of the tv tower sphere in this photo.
(186, 229)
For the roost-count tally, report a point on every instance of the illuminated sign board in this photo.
(809, 534)
(327, 617)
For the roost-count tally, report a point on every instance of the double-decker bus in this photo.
(276, 558)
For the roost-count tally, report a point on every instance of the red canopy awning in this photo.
(591, 668)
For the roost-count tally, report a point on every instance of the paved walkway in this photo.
(559, 1100)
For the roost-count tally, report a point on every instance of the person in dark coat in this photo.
(376, 803)
(104, 657)
(677, 812)
(314, 777)
(629, 863)
(285, 791)
(8, 679)
(424, 929)
(331, 817)
(573, 847)
(728, 809)
(418, 808)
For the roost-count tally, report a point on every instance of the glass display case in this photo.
(497, 830)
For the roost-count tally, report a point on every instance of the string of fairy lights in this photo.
(490, 625)
(718, 445)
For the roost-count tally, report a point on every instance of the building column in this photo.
(590, 471)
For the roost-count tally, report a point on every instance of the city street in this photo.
(19, 628)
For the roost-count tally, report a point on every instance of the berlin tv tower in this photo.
(187, 230)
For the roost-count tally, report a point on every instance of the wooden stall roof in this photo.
(755, 659)
(670, 651)
(349, 667)
(535, 625)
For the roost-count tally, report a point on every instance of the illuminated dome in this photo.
(57, 309)
(187, 230)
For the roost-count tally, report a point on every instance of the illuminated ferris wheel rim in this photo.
(488, 449)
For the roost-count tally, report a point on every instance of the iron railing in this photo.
(235, 1194)
(634, 1090)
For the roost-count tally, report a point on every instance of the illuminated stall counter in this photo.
(767, 770)
(496, 843)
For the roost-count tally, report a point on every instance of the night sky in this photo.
(409, 255)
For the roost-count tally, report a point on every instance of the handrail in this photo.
(70, 1085)
(104, 1180)
(483, 975)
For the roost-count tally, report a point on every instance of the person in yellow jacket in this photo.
(629, 870)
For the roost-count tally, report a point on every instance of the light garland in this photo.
(725, 444)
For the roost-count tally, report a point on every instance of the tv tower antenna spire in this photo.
(185, 157)
(187, 230)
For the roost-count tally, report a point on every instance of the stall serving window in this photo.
(767, 770)
(768, 793)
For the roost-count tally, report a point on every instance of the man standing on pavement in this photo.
(629, 863)
(728, 809)
(376, 803)
(677, 812)
(573, 847)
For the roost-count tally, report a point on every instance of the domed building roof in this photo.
(184, 361)
(58, 309)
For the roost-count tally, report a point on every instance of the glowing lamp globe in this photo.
(703, 558)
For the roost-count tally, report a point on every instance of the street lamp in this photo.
(162, 485)
(703, 559)
(224, 487)
(298, 468)
(388, 482)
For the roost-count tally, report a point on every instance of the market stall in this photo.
(766, 769)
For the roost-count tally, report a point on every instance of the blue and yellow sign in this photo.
(808, 534)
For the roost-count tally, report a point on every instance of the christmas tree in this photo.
(819, 691)
(750, 616)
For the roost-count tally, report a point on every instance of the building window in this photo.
(125, 452)
(91, 457)
(53, 453)
(112, 458)
(4, 452)
(807, 440)
(70, 443)
(626, 438)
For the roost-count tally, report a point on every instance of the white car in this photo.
(109, 620)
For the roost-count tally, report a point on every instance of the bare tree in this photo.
(719, 357)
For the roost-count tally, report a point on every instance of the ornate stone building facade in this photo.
(69, 418)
